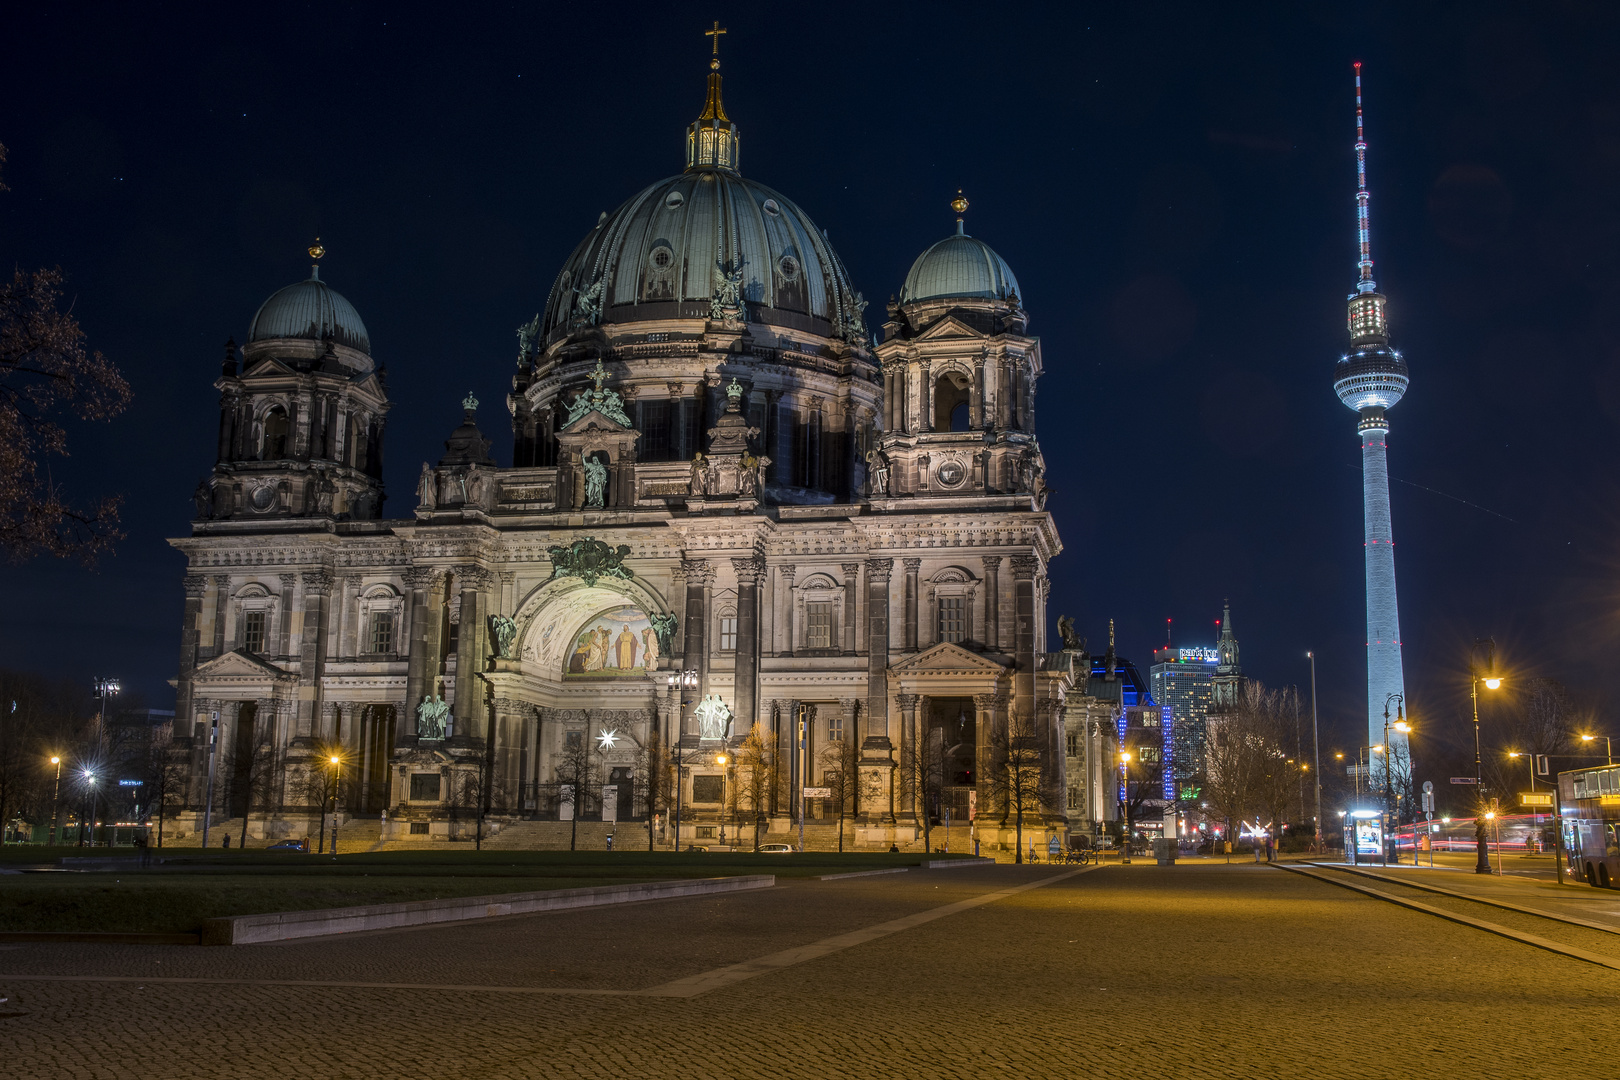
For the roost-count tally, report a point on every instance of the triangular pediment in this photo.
(267, 365)
(946, 657)
(948, 327)
(599, 420)
(237, 664)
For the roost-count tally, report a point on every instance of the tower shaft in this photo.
(1385, 675)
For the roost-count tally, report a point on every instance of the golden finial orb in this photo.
(960, 203)
(316, 250)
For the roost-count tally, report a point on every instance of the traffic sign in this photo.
(1428, 787)
(1535, 798)
(1464, 780)
(1542, 768)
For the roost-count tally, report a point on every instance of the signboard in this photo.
(1464, 780)
(1369, 836)
(130, 783)
(1535, 798)
(818, 792)
(565, 802)
(610, 802)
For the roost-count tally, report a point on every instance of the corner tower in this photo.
(959, 372)
(1371, 378)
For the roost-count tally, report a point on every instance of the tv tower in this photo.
(1371, 378)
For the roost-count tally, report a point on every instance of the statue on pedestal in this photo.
(505, 631)
(596, 475)
(432, 717)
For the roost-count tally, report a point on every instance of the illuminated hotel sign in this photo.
(1197, 655)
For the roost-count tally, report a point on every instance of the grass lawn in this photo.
(177, 895)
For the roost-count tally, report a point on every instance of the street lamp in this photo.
(56, 790)
(1481, 674)
(1608, 745)
(1125, 770)
(1316, 741)
(679, 683)
(90, 817)
(720, 760)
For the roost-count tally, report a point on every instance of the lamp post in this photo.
(1389, 773)
(1487, 675)
(1125, 771)
(89, 839)
(721, 759)
(1608, 746)
(679, 683)
(56, 790)
(1316, 742)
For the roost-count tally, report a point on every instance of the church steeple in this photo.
(711, 139)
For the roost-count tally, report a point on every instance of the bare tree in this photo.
(839, 775)
(755, 774)
(575, 771)
(1015, 780)
(166, 773)
(652, 766)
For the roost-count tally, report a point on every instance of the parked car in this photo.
(776, 849)
(289, 845)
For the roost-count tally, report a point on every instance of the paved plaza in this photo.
(1198, 970)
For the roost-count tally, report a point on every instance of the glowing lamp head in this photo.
(56, 761)
(1493, 683)
(1514, 753)
(1403, 726)
(1588, 738)
(1490, 815)
(1125, 758)
(720, 759)
(1376, 749)
(334, 761)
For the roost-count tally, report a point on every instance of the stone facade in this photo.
(721, 489)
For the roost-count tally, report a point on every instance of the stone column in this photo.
(1024, 568)
(767, 614)
(195, 585)
(422, 665)
(347, 617)
(505, 773)
(986, 758)
(878, 572)
(312, 651)
(852, 578)
(925, 395)
(778, 736)
(746, 681)
(1054, 768)
(222, 591)
(908, 748)
(699, 576)
(911, 566)
(992, 600)
(471, 650)
(284, 631)
(785, 611)
(795, 767)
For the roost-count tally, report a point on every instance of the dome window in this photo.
(661, 258)
(772, 209)
(789, 266)
(674, 200)
(274, 446)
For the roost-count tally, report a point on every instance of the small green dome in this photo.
(959, 266)
(310, 309)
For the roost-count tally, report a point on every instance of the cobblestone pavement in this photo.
(1200, 970)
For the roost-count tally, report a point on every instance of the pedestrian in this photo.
(894, 849)
(610, 841)
(227, 844)
(144, 846)
(1271, 848)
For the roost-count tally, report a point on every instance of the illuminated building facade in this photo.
(1371, 378)
(729, 512)
(1183, 680)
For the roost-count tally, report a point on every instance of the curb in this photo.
(864, 873)
(99, 939)
(292, 925)
(948, 864)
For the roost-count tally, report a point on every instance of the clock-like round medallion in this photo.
(951, 473)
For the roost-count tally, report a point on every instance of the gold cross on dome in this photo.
(715, 34)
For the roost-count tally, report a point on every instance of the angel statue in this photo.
(505, 631)
(432, 717)
(1071, 640)
(664, 626)
(879, 462)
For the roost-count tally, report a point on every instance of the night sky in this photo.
(1172, 184)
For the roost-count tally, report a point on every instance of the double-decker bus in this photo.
(1592, 832)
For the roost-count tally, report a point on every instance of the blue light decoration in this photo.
(1168, 773)
(131, 783)
(1120, 742)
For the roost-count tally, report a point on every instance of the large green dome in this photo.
(310, 310)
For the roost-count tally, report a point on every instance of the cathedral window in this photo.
(835, 729)
(382, 632)
(655, 431)
(818, 625)
(253, 631)
(728, 631)
(1074, 747)
(1074, 799)
(952, 618)
(275, 435)
(951, 390)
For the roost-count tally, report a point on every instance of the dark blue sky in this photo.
(1172, 184)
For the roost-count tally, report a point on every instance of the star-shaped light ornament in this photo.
(607, 740)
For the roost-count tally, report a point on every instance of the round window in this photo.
(951, 473)
(771, 208)
(661, 258)
(674, 200)
(263, 497)
(789, 266)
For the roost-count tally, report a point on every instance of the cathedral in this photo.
(750, 562)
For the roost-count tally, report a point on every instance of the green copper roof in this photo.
(959, 266)
(310, 309)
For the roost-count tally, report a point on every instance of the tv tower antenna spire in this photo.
(1363, 197)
